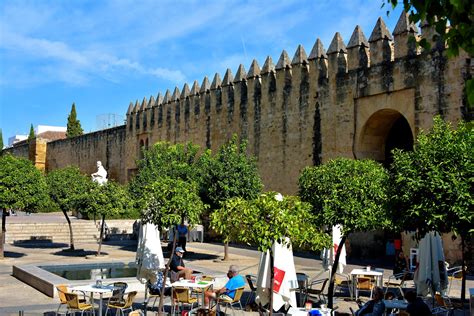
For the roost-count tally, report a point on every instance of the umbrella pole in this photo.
(272, 275)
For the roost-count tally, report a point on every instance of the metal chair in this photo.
(182, 295)
(316, 289)
(364, 283)
(396, 281)
(126, 305)
(118, 293)
(253, 289)
(73, 304)
(343, 282)
(62, 290)
(227, 301)
(454, 274)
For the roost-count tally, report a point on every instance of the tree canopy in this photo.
(31, 135)
(73, 124)
(1, 140)
(432, 185)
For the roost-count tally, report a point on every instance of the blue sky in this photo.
(104, 54)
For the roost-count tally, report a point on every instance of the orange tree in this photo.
(346, 192)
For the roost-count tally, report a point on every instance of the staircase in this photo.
(57, 232)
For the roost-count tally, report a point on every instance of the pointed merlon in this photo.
(175, 96)
(130, 108)
(254, 70)
(317, 51)
(216, 82)
(151, 102)
(380, 31)
(284, 61)
(159, 99)
(358, 38)
(205, 86)
(404, 25)
(240, 75)
(136, 107)
(167, 97)
(337, 45)
(195, 88)
(268, 66)
(228, 78)
(185, 92)
(300, 56)
(144, 104)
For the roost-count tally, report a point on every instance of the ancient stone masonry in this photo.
(358, 101)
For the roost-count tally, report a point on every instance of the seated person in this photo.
(374, 307)
(235, 281)
(177, 265)
(416, 306)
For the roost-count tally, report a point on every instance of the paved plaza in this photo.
(16, 296)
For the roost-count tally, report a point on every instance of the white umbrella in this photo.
(329, 255)
(431, 276)
(149, 257)
(284, 277)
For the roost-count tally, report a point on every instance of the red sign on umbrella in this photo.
(278, 276)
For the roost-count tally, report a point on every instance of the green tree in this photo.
(167, 202)
(73, 124)
(231, 173)
(22, 187)
(31, 135)
(432, 185)
(66, 188)
(104, 200)
(1, 140)
(269, 218)
(351, 193)
(457, 14)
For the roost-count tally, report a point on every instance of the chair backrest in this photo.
(238, 294)
(62, 289)
(250, 282)
(130, 298)
(302, 280)
(181, 294)
(364, 283)
(72, 300)
(119, 290)
(207, 278)
(440, 300)
(324, 285)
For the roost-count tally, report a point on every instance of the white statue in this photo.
(101, 175)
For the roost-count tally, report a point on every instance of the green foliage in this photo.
(73, 124)
(22, 186)
(167, 201)
(352, 193)
(432, 185)
(263, 220)
(67, 186)
(458, 14)
(31, 135)
(180, 161)
(232, 173)
(107, 200)
(1, 140)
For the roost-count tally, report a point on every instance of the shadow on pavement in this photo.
(40, 245)
(77, 253)
(191, 256)
(11, 254)
(129, 245)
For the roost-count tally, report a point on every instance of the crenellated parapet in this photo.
(305, 109)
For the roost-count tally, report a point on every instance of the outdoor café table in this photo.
(398, 304)
(192, 284)
(92, 288)
(301, 311)
(376, 273)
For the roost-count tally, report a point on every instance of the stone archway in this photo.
(383, 131)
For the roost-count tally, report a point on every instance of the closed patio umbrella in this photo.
(328, 255)
(430, 275)
(285, 280)
(149, 258)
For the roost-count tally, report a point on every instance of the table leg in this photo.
(100, 304)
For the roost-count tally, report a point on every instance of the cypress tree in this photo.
(1, 139)
(32, 133)
(73, 124)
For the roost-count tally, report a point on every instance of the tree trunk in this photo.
(2, 237)
(167, 268)
(226, 252)
(463, 267)
(333, 272)
(272, 277)
(71, 237)
(102, 226)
